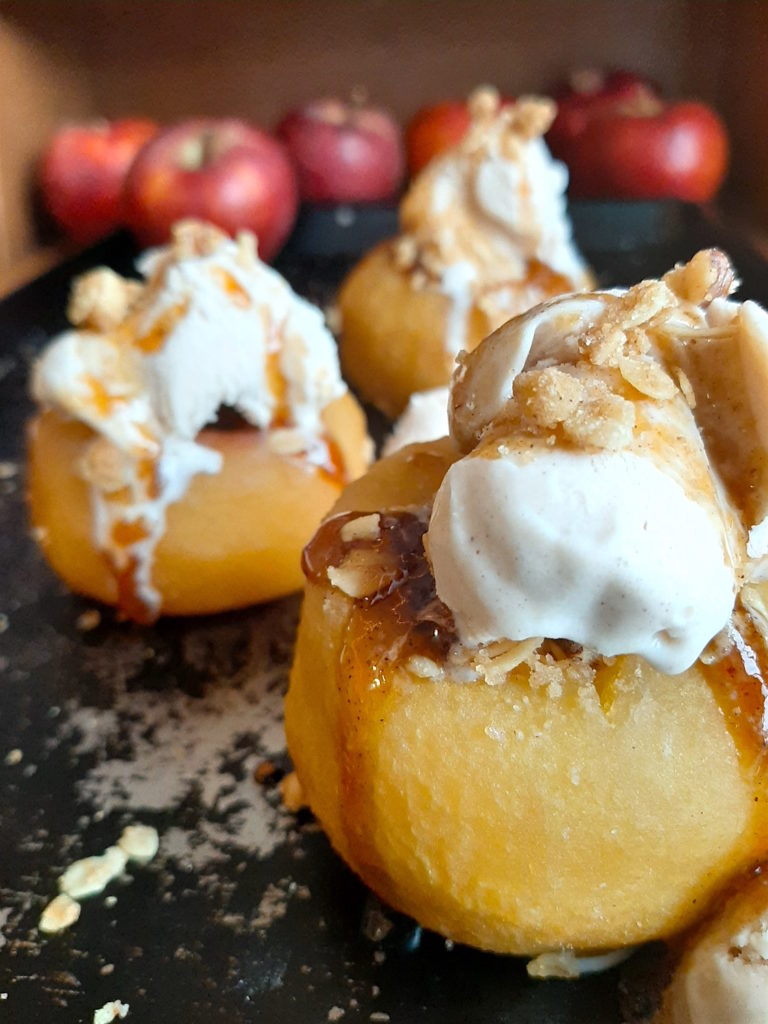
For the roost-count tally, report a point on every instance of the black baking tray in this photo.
(246, 914)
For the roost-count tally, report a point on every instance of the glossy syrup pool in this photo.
(404, 615)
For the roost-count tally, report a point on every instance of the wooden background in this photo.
(173, 58)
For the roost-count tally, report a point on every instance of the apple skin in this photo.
(82, 172)
(227, 172)
(434, 129)
(343, 153)
(620, 139)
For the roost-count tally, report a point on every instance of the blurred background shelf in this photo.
(175, 58)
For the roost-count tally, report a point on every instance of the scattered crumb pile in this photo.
(90, 876)
(194, 754)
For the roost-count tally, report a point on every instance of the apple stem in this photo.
(207, 148)
(198, 152)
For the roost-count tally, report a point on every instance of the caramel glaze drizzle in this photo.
(326, 459)
(739, 682)
(408, 616)
(404, 616)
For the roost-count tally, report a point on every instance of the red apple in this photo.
(343, 152)
(436, 128)
(620, 139)
(83, 170)
(433, 130)
(227, 172)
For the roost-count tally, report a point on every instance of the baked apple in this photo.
(193, 432)
(484, 235)
(527, 702)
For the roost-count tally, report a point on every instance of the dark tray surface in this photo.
(246, 914)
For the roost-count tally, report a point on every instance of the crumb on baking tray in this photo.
(292, 792)
(88, 620)
(139, 843)
(110, 1011)
(60, 913)
(89, 876)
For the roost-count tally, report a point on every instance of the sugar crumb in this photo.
(91, 875)
(88, 620)
(111, 1011)
(139, 842)
(60, 913)
(559, 964)
(292, 792)
(376, 925)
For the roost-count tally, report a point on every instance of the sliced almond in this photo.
(362, 528)
(647, 376)
(359, 575)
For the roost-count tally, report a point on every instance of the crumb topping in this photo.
(610, 375)
(627, 353)
(101, 299)
(486, 223)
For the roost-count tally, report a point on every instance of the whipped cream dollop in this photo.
(724, 976)
(149, 364)
(487, 223)
(613, 490)
(603, 548)
(425, 419)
